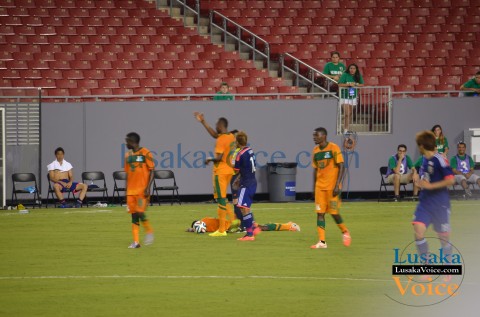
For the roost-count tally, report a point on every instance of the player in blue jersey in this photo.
(246, 182)
(434, 201)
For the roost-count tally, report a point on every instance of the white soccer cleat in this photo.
(319, 245)
(148, 239)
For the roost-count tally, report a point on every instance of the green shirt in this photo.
(471, 84)
(419, 162)
(346, 78)
(454, 163)
(222, 96)
(334, 70)
(441, 147)
(392, 163)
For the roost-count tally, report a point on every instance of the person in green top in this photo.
(473, 86)
(441, 140)
(350, 78)
(400, 171)
(334, 69)
(223, 94)
(463, 167)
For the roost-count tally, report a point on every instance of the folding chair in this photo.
(118, 176)
(384, 184)
(94, 188)
(165, 175)
(51, 192)
(26, 178)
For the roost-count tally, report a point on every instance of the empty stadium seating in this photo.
(426, 37)
(125, 46)
(87, 47)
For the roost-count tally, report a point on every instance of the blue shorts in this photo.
(72, 188)
(440, 218)
(245, 196)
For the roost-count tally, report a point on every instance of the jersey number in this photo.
(252, 160)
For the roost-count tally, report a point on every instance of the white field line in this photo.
(312, 278)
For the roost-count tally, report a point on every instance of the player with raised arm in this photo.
(328, 165)
(222, 168)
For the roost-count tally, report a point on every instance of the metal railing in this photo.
(365, 110)
(257, 45)
(310, 78)
(165, 97)
(428, 94)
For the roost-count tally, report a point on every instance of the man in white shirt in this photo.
(61, 175)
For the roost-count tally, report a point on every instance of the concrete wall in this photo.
(92, 135)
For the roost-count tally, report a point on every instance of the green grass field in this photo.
(75, 262)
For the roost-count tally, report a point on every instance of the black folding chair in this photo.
(91, 178)
(51, 192)
(118, 176)
(384, 184)
(26, 179)
(161, 175)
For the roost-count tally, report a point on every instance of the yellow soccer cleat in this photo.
(218, 234)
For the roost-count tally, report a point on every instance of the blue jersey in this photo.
(434, 170)
(245, 164)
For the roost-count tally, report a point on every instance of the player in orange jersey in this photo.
(222, 168)
(139, 167)
(212, 226)
(328, 164)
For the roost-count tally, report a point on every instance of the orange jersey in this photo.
(225, 145)
(138, 166)
(326, 161)
(213, 224)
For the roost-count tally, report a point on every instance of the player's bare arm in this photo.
(201, 118)
(216, 159)
(341, 173)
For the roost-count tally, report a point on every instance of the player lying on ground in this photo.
(212, 226)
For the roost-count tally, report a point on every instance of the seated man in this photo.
(463, 167)
(61, 174)
(472, 86)
(223, 94)
(398, 171)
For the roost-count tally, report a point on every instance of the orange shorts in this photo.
(326, 203)
(137, 203)
(220, 185)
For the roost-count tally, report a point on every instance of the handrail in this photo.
(449, 93)
(311, 73)
(187, 96)
(238, 36)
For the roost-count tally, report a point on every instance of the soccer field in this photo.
(75, 262)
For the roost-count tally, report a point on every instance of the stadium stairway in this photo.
(124, 47)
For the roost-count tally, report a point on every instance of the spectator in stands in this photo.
(463, 167)
(61, 175)
(334, 69)
(401, 171)
(223, 94)
(441, 140)
(350, 79)
(472, 86)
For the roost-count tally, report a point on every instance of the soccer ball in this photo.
(199, 226)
